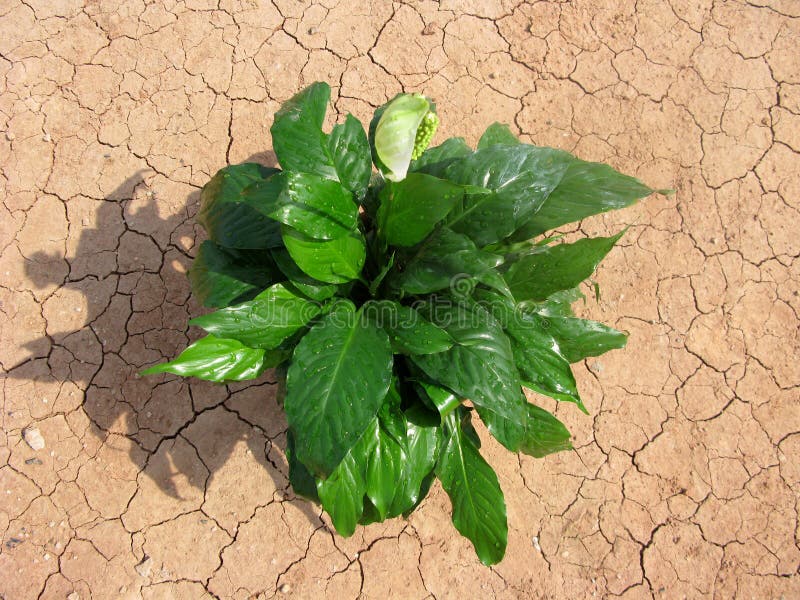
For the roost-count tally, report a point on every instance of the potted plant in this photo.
(400, 303)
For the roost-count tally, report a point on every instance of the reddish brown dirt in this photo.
(685, 480)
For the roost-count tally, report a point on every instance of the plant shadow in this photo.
(127, 275)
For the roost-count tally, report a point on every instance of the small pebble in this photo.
(536, 545)
(74, 596)
(285, 588)
(33, 437)
(143, 568)
(46, 137)
(10, 136)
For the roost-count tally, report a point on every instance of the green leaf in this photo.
(371, 468)
(303, 482)
(580, 338)
(331, 261)
(521, 178)
(435, 160)
(229, 220)
(215, 359)
(317, 207)
(275, 357)
(224, 276)
(349, 147)
(497, 133)
(375, 284)
(409, 332)
(423, 440)
(585, 189)
(384, 467)
(342, 494)
(560, 303)
(540, 362)
(297, 136)
(411, 208)
(479, 509)
(308, 286)
(544, 434)
(443, 399)
(480, 367)
(337, 381)
(264, 322)
(556, 268)
(370, 514)
(449, 260)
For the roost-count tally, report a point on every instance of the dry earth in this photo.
(685, 480)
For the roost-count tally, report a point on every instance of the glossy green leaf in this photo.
(384, 469)
(480, 367)
(521, 178)
(585, 189)
(349, 147)
(215, 359)
(308, 286)
(449, 260)
(559, 304)
(579, 338)
(497, 133)
(297, 136)
(435, 160)
(317, 207)
(443, 399)
(541, 364)
(411, 208)
(377, 281)
(556, 268)
(337, 381)
(331, 261)
(264, 322)
(224, 276)
(229, 220)
(544, 434)
(342, 494)
(367, 478)
(423, 440)
(370, 514)
(409, 332)
(479, 509)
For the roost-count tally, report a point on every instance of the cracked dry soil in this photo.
(684, 482)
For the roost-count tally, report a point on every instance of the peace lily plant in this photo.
(400, 304)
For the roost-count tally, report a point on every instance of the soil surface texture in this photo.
(685, 479)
